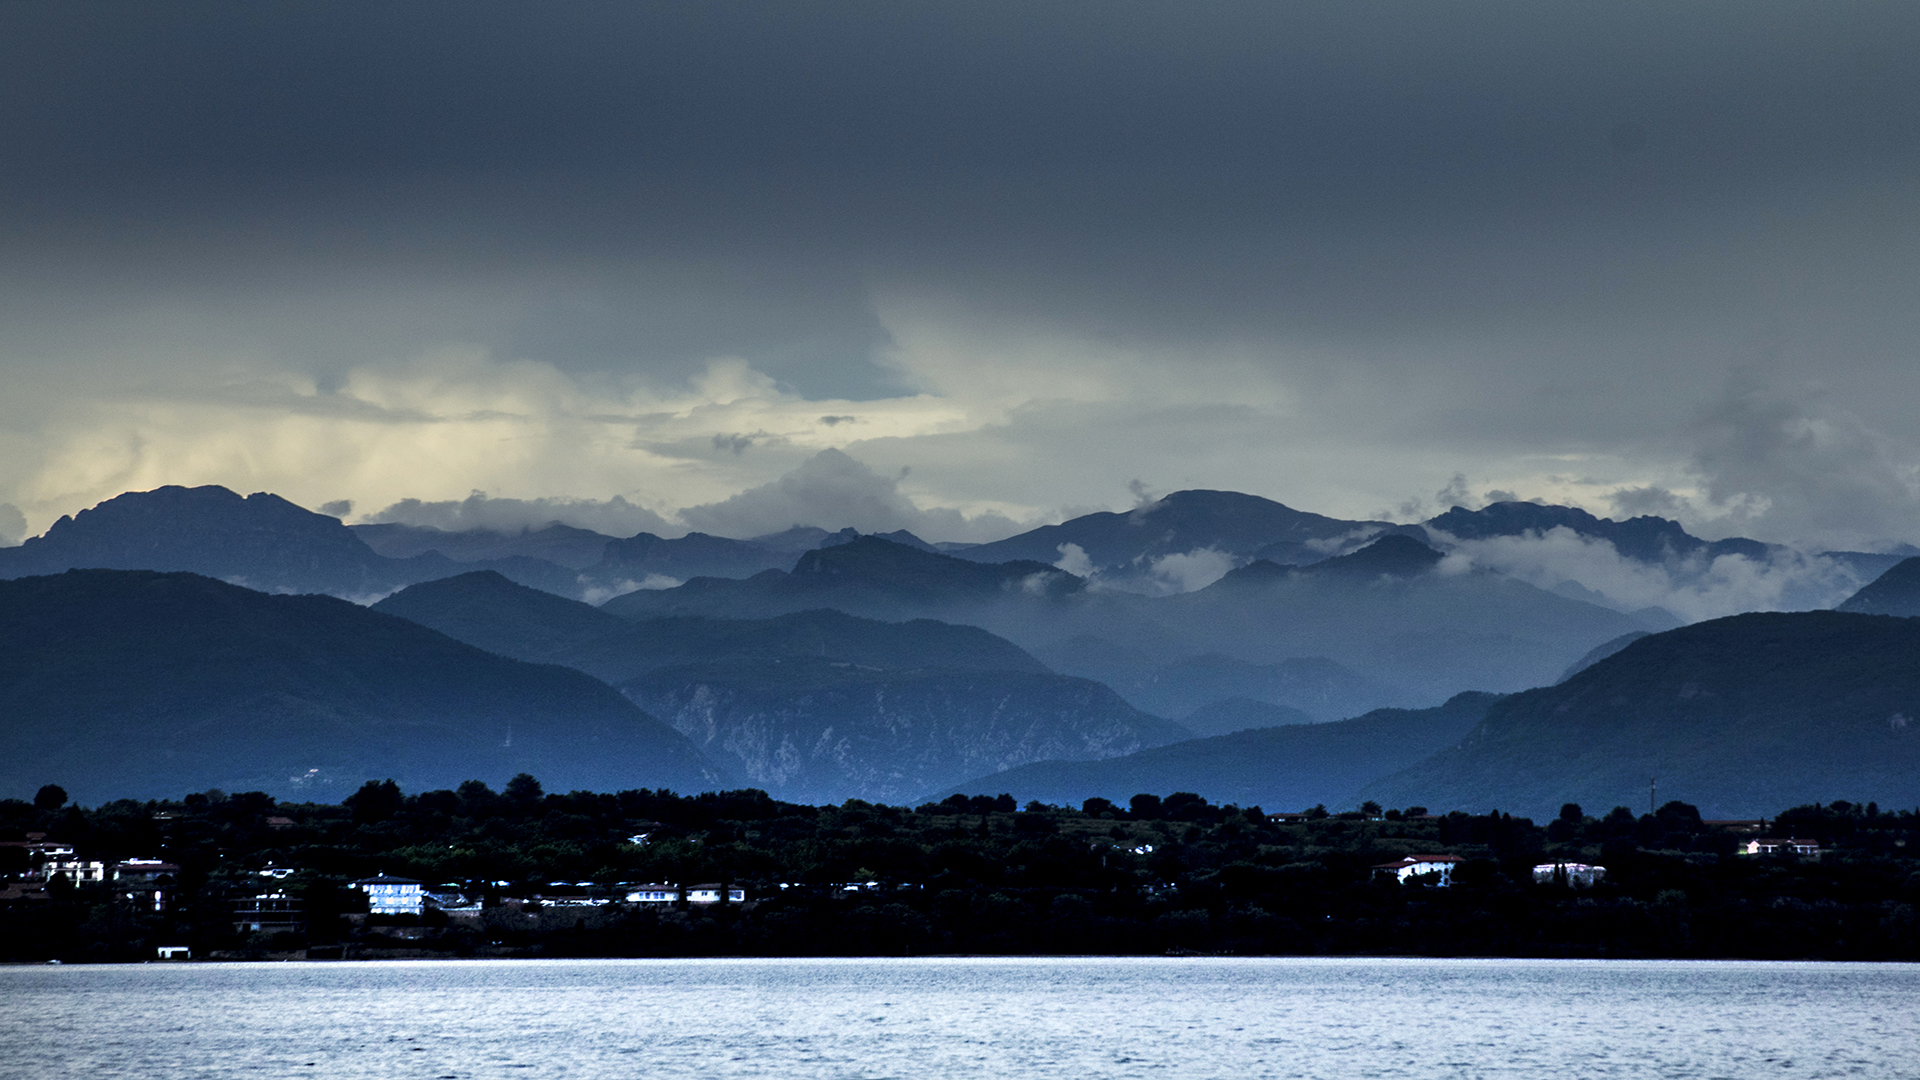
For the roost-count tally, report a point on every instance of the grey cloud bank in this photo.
(614, 517)
(1616, 255)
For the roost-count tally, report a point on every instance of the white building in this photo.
(654, 894)
(392, 895)
(1577, 874)
(1773, 845)
(78, 871)
(1419, 866)
(145, 883)
(710, 894)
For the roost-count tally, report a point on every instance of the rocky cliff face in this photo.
(811, 731)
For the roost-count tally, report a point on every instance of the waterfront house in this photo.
(1418, 867)
(392, 895)
(144, 883)
(654, 894)
(710, 894)
(268, 913)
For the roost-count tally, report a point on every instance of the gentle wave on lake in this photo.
(963, 1017)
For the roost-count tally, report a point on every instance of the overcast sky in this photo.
(1009, 258)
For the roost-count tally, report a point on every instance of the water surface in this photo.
(953, 1017)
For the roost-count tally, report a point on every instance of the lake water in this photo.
(963, 1017)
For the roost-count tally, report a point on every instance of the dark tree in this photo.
(376, 801)
(523, 790)
(50, 797)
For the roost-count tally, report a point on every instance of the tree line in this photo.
(973, 874)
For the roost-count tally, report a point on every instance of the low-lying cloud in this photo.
(599, 592)
(13, 525)
(1162, 576)
(1694, 589)
(615, 516)
(1190, 570)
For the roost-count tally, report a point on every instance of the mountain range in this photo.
(1278, 768)
(260, 541)
(486, 610)
(815, 704)
(832, 665)
(817, 730)
(1739, 716)
(138, 684)
(1127, 547)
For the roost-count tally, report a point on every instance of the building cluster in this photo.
(1777, 845)
(386, 895)
(35, 865)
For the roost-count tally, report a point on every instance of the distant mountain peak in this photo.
(1896, 592)
(1393, 555)
(1208, 501)
(260, 538)
(1128, 544)
(876, 557)
(1645, 538)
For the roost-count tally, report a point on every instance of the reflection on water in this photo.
(1015, 1018)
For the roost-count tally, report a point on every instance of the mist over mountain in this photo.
(563, 545)
(1277, 768)
(1227, 715)
(1392, 612)
(137, 684)
(1734, 716)
(646, 557)
(815, 705)
(265, 542)
(1132, 548)
(867, 576)
(1314, 687)
(1895, 592)
(1645, 538)
(1387, 610)
(1647, 566)
(813, 730)
(490, 612)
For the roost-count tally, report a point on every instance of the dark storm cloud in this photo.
(1459, 231)
(858, 119)
(1326, 164)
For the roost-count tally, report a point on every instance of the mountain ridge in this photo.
(143, 684)
(1733, 715)
(1284, 768)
